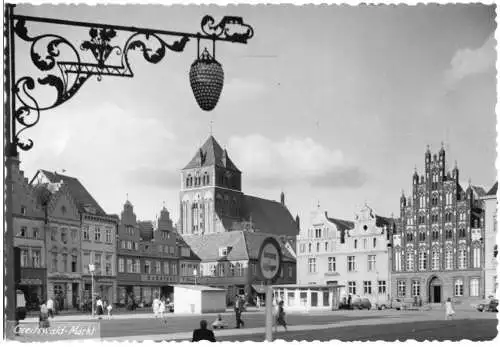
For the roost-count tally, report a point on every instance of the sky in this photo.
(330, 104)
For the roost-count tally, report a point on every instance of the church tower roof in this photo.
(211, 154)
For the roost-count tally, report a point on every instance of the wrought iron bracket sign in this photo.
(67, 65)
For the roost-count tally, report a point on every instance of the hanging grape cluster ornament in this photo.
(207, 79)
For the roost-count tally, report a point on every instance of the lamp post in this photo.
(92, 270)
(67, 74)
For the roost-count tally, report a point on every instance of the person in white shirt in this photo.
(156, 306)
(50, 307)
(109, 308)
(99, 307)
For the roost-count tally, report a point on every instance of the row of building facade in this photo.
(442, 246)
(61, 229)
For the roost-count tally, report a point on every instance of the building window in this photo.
(331, 264)
(421, 236)
(54, 262)
(410, 260)
(382, 287)
(129, 245)
(86, 235)
(326, 246)
(121, 265)
(147, 266)
(401, 288)
(312, 265)
(459, 287)
(367, 287)
(174, 269)
(461, 232)
(462, 259)
(136, 266)
(415, 288)
(474, 287)
(74, 234)
(318, 233)
(302, 248)
(24, 258)
(435, 235)
(310, 250)
(364, 243)
(37, 258)
(158, 267)
(371, 263)
(351, 263)
(374, 242)
(397, 260)
(65, 263)
(64, 236)
(476, 257)
(448, 234)
(290, 271)
(409, 236)
(220, 270)
(36, 233)
(231, 269)
(97, 234)
(448, 259)
(166, 270)
(23, 210)
(435, 260)
(422, 260)
(108, 236)
(355, 243)
(317, 246)
(351, 285)
(108, 269)
(74, 260)
(97, 261)
(239, 269)
(23, 232)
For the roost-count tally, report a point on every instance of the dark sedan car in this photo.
(361, 304)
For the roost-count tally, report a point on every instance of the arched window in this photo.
(409, 236)
(462, 258)
(410, 260)
(374, 242)
(435, 234)
(448, 234)
(188, 181)
(421, 236)
(422, 260)
(476, 256)
(435, 259)
(448, 259)
(355, 243)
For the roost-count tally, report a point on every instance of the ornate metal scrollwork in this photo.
(66, 76)
(230, 28)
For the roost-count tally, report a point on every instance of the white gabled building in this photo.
(352, 254)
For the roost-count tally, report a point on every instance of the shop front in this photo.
(142, 290)
(104, 287)
(64, 290)
(308, 297)
(33, 284)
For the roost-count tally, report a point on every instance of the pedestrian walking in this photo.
(237, 310)
(43, 319)
(109, 307)
(162, 310)
(50, 308)
(349, 301)
(450, 312)
(156, 306)
(280, 318)
(99, 307)
(203, 334)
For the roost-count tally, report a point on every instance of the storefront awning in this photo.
(260, 289)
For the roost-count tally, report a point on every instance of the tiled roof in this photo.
(270, 217)
(244, 245)
(81, 196)
(182, 243)
(206, 247)
(493, 190)
(384, 221)
(341, 225)
(479, 191)
(211, 154)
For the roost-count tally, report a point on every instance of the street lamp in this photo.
(66, 75)
(92, 270)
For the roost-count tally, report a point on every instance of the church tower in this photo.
(210, 196)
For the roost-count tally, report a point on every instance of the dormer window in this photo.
(23, 210)
(223, 251)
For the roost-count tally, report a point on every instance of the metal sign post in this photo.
(270, 268)
(269, 312)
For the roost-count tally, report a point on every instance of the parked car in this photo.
(490, 306)
(398, 304)
(361, 303)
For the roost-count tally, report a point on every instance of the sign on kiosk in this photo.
(270, 260)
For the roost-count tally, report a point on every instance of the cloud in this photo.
(238, 89)
(155, 177)
(267, 163)
(468, 62)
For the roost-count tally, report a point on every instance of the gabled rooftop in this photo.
(211, 154)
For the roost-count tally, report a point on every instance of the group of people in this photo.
(102, 305)
(160, 308)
